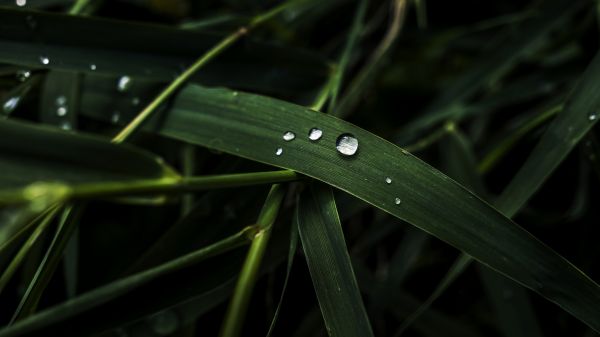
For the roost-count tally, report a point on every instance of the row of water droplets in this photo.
(346, 144)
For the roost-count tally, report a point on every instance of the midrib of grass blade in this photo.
(329, 264)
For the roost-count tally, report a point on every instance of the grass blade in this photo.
(329, 264)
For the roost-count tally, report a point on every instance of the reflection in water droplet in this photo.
(397, 201)
(23, 75)
(593, 116)
(44, 60)
(93, 66)
(116, 116)
(279, 151)
(346, 144)
(288, 136)
(11, 104)
(315, 134)
(21, 3)
(124, 83)
(388, 180)
(61, 111)
(61, 100)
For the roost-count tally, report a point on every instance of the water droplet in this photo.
(235, 93)
(164, 323)
(61, 100)
(315, 134)
(61, 111)
(124, 83)
(44, 60)
(289, 135)
(66, 125)
(135, 101)
(346, 144)
(279, 151)
(11, 104)
(388, 180)
(593, 116)
(93, 66)
(21, 3)
(397, 201)
(404, 151)
(23, 75)
(116, 116)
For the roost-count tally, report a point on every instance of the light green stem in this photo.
(236, 312)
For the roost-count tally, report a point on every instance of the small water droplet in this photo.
(21, 3)
(124, 83)
(66, 125)
(61, 100)
(398, 201)
(23, 75)
(279, 151)
(593, 116)
(404, 151)
(164, 323)
(288, 136)
(135, 101)
(44, 60)
(315, 134)
(346, 144)
(61, 111)
(11, 104)
(116, 116)
(388, 180)
(93, 66)
(235, 93)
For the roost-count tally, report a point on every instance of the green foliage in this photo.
(156, 156)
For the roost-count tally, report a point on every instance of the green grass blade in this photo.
(114, 53)
(228, 121)
(579, 115)
(329, 264)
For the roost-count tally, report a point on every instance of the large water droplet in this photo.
(288, 136)
(11, 104)
(21, 3)
(23, 75)
(61, 100)
(93, 67)
(61, 111)
(388, 180)
(124, 83)
(315, 134)
(398, 201)
(346, 144)
(44, 60)
(279, 151)
(593, 116)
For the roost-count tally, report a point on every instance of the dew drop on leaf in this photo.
(388, 180)
(593, 116)
(346, 144)
(61, 100)
(93, 66)
(61, 111)
(44, 60)
(23, 75)
(315, 134)
(397, 201)
(11, 104)
(124, 83)
(279, 151)
(288, 136)
(116, 116)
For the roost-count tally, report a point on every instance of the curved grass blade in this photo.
(228, 121)
(30, 153)
(99, 46)
(329, 264)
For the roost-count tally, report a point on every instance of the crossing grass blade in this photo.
(329, 264)
(252, 126)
